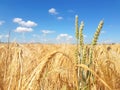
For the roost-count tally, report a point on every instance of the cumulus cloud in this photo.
(17, 20)
(59, 18)
(23, 29)
(64, 38)
(24, 23)
(2, 22)
(4, 36)
(52, 11)
(47, 31)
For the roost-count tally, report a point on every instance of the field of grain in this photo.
(53, 67)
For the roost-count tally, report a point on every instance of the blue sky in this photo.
(52, 21)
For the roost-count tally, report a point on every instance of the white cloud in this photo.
(1, 36)
(6, 36)
(52, 11)
(62, 35)
(64, 38)
(59, 18)
(85, 36)
(24, 23)
(17, 20)
(23, 29)
(47, 31)
(2, 22)
(36, 36)
(103, 32)
(107, 41)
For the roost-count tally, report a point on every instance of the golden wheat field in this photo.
(53, 67)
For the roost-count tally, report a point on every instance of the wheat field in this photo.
(53, 67)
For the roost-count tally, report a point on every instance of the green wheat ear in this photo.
(77, 38)
(84, 55)
(84, 77)
(76, 27)
(81, 40)
(81, 34)
(95, 38)
(96, 35)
